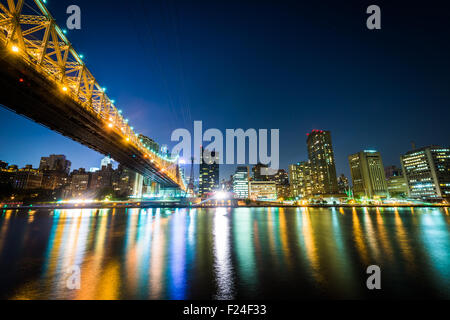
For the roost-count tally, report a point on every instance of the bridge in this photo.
(43, 78)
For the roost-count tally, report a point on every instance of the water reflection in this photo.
(223, 253)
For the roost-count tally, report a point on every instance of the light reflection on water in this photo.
(224, 253)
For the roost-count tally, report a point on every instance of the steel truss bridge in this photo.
(43, 78)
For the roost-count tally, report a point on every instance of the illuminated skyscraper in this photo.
(427, 172)
(209, 172)
(368, 177)
(323, 166)
(240, 182)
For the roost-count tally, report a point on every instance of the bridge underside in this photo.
(29, 94)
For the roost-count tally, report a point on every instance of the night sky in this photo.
(293, 66)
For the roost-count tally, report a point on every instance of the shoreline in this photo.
(178, 206)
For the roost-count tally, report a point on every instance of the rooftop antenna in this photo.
(413, 145)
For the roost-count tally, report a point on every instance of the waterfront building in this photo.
(323, 166)
(80, 182)
(281, 177)
(28, 178)
(240, 182)
(397, 186)
(54, 180)
(262, 190)
(368, 175)
(283, 191)
(102, 178)
(427, 172)
(209, 172)
(300, 180)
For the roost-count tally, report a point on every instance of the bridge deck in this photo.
(28, 93)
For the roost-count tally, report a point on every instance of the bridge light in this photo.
(15, 49)
(64, 89)
(110, 125)
(128, 139)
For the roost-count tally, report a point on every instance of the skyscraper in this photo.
(368, 177)
(427, 172)
(209, 172)
(240, 182)
(300, 179)
(323, 167)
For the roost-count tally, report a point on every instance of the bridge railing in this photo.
(28, 31)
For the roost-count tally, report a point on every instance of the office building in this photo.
(240, 182)
(368, 177)
(397, 187)
(427, 172)
(262, 190)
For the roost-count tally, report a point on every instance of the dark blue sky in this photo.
(295, 66)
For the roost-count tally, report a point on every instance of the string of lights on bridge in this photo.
(73, 77)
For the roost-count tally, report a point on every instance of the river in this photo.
(224, 253)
